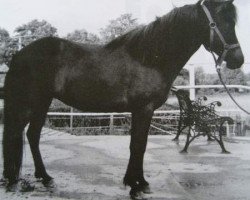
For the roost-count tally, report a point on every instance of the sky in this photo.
(92, 15)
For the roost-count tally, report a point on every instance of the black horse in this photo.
(132, 73)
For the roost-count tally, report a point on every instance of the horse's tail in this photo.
(15, 119)
(12, 148)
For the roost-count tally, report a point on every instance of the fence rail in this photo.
(213, 87)
(106, 114)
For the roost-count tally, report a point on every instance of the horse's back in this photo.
(41, 60)
(47, 51)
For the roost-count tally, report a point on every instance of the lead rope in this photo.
(218, 70)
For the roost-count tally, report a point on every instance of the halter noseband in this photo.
(214, 29)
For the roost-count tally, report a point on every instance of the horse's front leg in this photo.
(139, 134)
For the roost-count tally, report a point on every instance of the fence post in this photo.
(227, 129)
(71, 118)
(111, 125)
(192, 82)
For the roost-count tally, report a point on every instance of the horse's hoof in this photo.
(175, 139)
(146, 189)
(26, 186)
(11, 187)
(49, 183)
(226, 152)
(137, 195)
(184, 151)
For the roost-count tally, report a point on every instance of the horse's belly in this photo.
(101, 99)
(97, 106)
(95, 99)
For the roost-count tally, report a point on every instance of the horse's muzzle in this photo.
(235, 58)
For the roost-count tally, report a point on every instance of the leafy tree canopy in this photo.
(118, 27)
(4, 44)
(182, 78)
(82, 36)
(233, 77)
(4, 35)
(34, 30)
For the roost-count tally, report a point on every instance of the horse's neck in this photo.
(182, 42)
(179, 56)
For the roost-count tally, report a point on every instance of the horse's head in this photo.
(218, 31)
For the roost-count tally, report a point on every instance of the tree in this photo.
(200, 76)
(247, 78)
(201, 79)
(4, 37)
(182, 78)
(4, 34)
(118, 27)
(7, 46)
(82, 36)
(34, 30)
(233, 77)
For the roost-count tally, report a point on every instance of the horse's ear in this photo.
(199, 2)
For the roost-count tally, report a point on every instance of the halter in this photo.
(214, 30)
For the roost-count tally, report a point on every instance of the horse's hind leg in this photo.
(33, 134)
(139, 133)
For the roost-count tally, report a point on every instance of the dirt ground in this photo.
(92, 168)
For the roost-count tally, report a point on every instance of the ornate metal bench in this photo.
(200, 119)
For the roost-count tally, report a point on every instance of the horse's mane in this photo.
(152, 32)
(145, 33)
